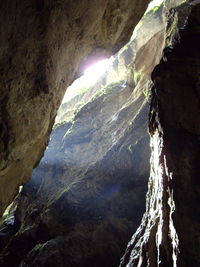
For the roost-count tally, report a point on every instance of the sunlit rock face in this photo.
(42, 45)
(87, 196)
(127, 60)
(169, 233)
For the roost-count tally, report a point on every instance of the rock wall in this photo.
(42, 45)
(87, 195)
(169, 233)
(126, 66)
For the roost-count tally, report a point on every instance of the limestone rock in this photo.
(42, 45)
(169, 233)
(87, 195)
(126, 66)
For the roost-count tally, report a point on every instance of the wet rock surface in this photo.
(169, 233)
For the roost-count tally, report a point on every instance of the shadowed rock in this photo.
(42, 45)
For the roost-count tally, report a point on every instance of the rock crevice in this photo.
(42, 45)
(168, 233)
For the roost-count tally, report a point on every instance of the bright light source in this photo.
(154, 3)
(93, 72)
(91, 75)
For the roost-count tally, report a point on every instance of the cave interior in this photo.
(99, 170)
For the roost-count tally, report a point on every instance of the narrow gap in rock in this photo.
(87, 196)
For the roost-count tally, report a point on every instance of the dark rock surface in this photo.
(170, 230)
(87, 195)
(82, 211)
(42, 45)
(133, 61)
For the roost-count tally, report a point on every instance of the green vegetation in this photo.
(66, 189)
(106, 90)
(154, 9)
(137, 76)
(147, 93)
(124, 48)
(7, 213)
(150, 12)
(69, 130)
(78, 107)
(81, 90)
(112, 85)
(170, 34)
(58, 125)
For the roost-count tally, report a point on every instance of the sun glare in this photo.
(154, 3)
(92, 73)
(90, 76)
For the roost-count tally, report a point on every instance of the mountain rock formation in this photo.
(86, 197)
(42, 45)
(169, 233)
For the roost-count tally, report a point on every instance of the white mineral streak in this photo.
(154, 204)
(172, 230)
(154, 210)
(157, 177)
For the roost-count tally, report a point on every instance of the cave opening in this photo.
(88, 192)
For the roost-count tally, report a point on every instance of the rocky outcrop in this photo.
(89, 189)
(42, 45)
(169, 233)
(126, 66)
(87, 195)
(82, 206)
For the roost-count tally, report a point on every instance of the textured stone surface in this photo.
(42, 45)
(128, 60)
(169, 233)
(87, 195)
